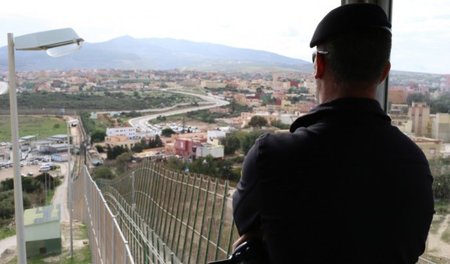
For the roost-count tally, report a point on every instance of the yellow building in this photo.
(431, 147)
(440, 128)
(419, 113)
(122, 141)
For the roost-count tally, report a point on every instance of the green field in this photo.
(40, 126)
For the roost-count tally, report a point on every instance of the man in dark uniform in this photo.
(345, 186)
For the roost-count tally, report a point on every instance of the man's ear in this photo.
(319, 66)
(385, 72)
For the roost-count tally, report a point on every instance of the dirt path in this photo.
(436, 246)
(7, 249)
(60, 196)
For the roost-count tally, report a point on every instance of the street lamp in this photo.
(69, 182)
(53, 41)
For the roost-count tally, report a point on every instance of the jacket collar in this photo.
(350, 106)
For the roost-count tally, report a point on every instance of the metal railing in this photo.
(172, 217)
(107, 242)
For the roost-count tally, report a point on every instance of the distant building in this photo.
(185, 147)
(121, 141)
(129, 132)
(215, 134)
(400, 117)
(42, 230)
(440, 128)
(419, 113)
(397, 95)
(432, 148)
(206, 149)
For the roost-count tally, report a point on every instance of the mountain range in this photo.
(157, 54)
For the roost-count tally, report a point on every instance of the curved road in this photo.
(141, 122)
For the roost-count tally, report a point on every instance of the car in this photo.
(44, 168)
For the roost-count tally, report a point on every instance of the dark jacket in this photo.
(345, 186)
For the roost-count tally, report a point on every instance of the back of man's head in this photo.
(358, 40)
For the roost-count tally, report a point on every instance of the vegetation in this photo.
(278, 124)
(36, 193)
(441, 187)
(257, 121)
(112, 153)
(234, 110)
(205, 116)
(102, 172)
(155, 142)
(440, 169)
(231, 143)
(208, 165)
(440, 104)
(108, 101)
(6, 231)
(167, 132)
(40, 126)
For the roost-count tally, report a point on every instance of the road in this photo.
(141, 122)
(3, 87)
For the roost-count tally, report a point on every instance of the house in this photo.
(43, 230)
(206, 149)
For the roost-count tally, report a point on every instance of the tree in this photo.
(112, 153)
(167, 132)
(257, 121)
(279, 124)
(249, 140)
(103, 172)
(231, 143)
(122, 161)
(175, 163)
(418, 97)
(100, 148)
(98, 136)
(441, 187)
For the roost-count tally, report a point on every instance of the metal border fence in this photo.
(172, 217)
(107, 242)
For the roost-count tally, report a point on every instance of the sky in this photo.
(421, 29)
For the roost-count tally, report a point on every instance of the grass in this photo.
(40, 126)
(442, 207)
(6, 232)
(49, 197)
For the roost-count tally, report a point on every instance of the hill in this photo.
(158, 54)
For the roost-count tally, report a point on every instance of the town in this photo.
(193, 122)
(279, 98)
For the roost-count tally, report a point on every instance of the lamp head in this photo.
(64, 41)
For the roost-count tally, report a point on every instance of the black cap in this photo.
(349, 18)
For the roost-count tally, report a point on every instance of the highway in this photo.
(140, 123)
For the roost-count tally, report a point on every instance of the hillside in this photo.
(158, 54)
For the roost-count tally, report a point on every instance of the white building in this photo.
(205, 149)
(129, 132)
(215, 134)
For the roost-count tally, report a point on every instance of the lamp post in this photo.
(69, 182)
(57, 42)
